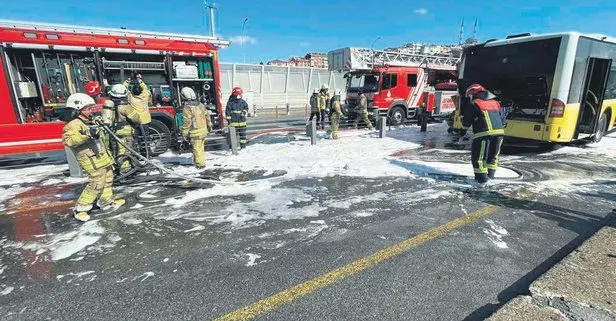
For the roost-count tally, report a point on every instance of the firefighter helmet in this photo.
(188, 94)
(79, 101)
(315, 91)
(324, 87)
(338, 92)
(474, 89)
(118, 91)
(93, 88)
(237, 91)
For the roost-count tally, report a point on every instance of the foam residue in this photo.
(33, 174)
(495, 234)
(444, 168)
(252, 258)
(195, 228)
(7, 290)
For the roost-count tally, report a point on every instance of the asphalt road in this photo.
(426, 248)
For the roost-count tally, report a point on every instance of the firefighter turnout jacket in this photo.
(484, 115)
(197, 122)
(314, 103)
(323, 100)
(91, 156)
(236, 111)
(139, 113)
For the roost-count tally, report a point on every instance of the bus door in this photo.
(597, 72)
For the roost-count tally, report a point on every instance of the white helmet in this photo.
(118, 91)
(315, 91)
(338, 92)
(188, 93)
(79, 100)
(324, 87)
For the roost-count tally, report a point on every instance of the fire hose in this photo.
(134, 155)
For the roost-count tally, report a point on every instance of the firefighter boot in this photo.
(491, 173)
(81, 216)
(481, 178)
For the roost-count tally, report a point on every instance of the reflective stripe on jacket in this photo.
(197, 122)
(485, 117)
(236, 111)
(76, 136)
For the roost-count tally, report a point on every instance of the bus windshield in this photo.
(368, 81)
(521, 73)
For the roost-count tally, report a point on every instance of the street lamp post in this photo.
(372, 50)
(243, 40)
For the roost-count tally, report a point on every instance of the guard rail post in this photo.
(423, 119)
(313, 132)
(288, 109)
(382, 126)
(276, 111)
(233, 140)
(254, 110)
(73, 166)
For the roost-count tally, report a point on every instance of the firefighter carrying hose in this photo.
(236, 111)
(82, 135)
(139, 115)
(335, 114)
(197, 124)
(124, 131)
(484, 114)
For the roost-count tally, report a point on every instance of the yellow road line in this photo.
(273, 302)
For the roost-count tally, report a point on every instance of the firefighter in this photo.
(362, 111)
(139, 115)
(197, 124)
(124, 131)
(335, 113)
(236, 111)
(83, 137)
(323, 103)
(314, 106)
(483, 113)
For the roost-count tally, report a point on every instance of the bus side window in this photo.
(610, 90)
(411, 80)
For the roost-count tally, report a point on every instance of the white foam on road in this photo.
(7, 290)
(252, 258)
(29, 175)
(495, 234)
(446, 168)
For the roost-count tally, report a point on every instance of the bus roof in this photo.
(111, 32)
(572, 34)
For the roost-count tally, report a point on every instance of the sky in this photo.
(285, 28)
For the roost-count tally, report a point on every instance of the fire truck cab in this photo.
(41, 65)
(395, 84)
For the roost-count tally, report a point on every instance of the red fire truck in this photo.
(397, 84)
(42, 64)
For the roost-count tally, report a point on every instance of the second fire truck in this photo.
(397, 84)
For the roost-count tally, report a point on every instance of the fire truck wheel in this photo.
(397, 116)
(160, 137)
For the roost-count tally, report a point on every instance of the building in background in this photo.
(278, 62)
(317, 59)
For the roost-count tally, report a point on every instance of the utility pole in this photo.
(243, 40)
(461, 32)
(211, 7)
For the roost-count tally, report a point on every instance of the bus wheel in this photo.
(160, 137)
(397, 116)
(601, 127)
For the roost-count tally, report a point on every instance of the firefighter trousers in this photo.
(98, 187)
(198, 150)
(323, 114)
(363, 117)
(335, 125)
(318, 114)
(485, 152)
